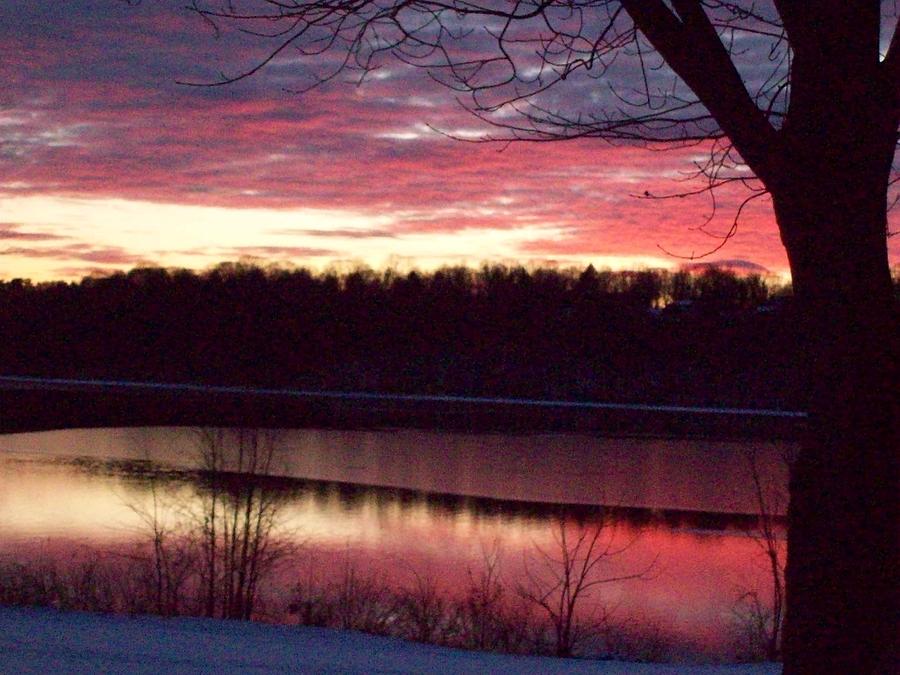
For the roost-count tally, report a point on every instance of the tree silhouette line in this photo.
(702, 337)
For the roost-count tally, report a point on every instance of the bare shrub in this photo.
(758, 622)
(28, 585)
(349, 600)
(363, 601)
(754, 636)
(547, 614)
(482, 618)
(238, 518)
(209, 551)
(163, 568)
(310, 602)
(643, 641)
(83, 585)
(560, 580)
(478, 617)
(423, 612)
(91, 586)
(161, 577)
(487, 616)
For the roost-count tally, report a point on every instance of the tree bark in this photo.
(842, 571)
(827, 168)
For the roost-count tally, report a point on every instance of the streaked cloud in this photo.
(265, 253)
(14, 231)
(362, 233)
(78, 252)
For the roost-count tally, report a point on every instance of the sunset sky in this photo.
(107, 163)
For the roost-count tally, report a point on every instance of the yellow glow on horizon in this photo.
(91, 233)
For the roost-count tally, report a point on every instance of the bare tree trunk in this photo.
(842, 570)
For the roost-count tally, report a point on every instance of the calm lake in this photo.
(407, 504)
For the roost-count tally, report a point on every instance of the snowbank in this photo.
(47, 641)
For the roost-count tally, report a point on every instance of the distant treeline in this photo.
(707, 337)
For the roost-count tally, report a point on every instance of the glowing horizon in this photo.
(209, 235)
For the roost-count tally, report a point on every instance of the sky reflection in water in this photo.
(698, 563)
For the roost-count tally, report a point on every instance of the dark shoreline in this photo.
(28, 408)
(351, 493)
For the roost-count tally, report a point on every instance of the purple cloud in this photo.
(13, 231)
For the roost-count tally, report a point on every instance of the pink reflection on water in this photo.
(689, 572)
(688, 585)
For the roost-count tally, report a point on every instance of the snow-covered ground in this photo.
(47, 641)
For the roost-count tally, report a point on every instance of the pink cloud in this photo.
(95, 112)
(281, 252)
(78, 252)
(14, 231)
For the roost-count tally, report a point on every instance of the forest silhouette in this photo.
(707, 337)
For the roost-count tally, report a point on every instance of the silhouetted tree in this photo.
(718, 291)
(238, 518)
(806, 97)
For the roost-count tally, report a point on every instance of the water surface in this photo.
(404, 503)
